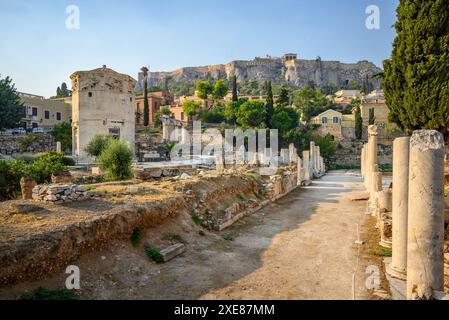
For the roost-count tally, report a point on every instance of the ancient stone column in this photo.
(300, 171)
(372, 155)
(306, 165)
(362, 161)
(58, 147)
(401, 151)
(425, 240)
(293, 155)
(317, 158)
(285, 156)
(312, 158)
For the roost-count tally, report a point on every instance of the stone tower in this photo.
(102, 103)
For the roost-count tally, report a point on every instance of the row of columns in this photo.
(417, 209)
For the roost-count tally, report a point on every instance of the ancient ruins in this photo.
(410, 215)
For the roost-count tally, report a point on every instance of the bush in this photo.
(46, 165)
(115, 161)
(97, 145)
(27, 141)
(42, 293)
(10, 174)
(154, 254)
(63, 133)
(41, 170)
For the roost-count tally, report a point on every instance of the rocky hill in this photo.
(287, 69)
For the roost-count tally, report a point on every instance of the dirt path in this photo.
(300, 247)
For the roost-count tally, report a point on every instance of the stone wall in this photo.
(348, 154)
(59, 193)
(10, 145)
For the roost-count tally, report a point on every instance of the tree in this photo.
(284, 120)
(58, 92)
(358, 119)
(220, 89)
(416, 78)
(164, 111)
(146, 106)
(311, 101)
(97, 145)
(190, 107)
(64, 91)
(371, 117)
(251, 114)
(235, 96)
(63, 133)
(269, 106)
(284, 97)
(203, 89)
(11, 108)
(327, 146)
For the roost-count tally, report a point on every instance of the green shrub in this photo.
(97, 145)
(154, 254)
(10, 174)
(136, 237)
(42, 293)
(116, 160)
(63, 133)
(27, 141)
(46, 165)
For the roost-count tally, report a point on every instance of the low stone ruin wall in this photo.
(219, 201)
(348, 154)
(59, 193)
(10, 145)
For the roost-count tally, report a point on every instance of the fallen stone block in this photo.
(363, 196)
(173, 251)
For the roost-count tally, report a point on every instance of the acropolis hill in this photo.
(296, 72)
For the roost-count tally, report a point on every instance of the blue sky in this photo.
(39, 52)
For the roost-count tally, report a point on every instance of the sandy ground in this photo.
(300, 247)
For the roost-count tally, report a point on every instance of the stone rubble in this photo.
(59, 193)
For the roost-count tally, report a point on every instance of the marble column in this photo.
(362, 161)
(401, 151)
(425, 236)
(306, 165)
(300, 171)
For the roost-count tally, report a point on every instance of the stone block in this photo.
(173, 251)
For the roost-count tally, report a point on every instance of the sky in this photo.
(39, 52)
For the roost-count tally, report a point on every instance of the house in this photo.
(328, 117)
(375, 100)
(44, 113)
(345, 97)
(339, 126)
(156, 100)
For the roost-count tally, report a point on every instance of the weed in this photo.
(136, 237)
(228, 237)
(42, 293)
(154, 254)
(196, 218)
(382, 252)
(174, 238)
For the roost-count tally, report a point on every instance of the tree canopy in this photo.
(11, 108)
(416, 78)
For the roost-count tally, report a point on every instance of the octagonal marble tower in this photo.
(102, 103)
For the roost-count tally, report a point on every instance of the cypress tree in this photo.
(416, 78)
(269, 106)
(358, 121)
(146, 107)
(371, 117)
(235, 96)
